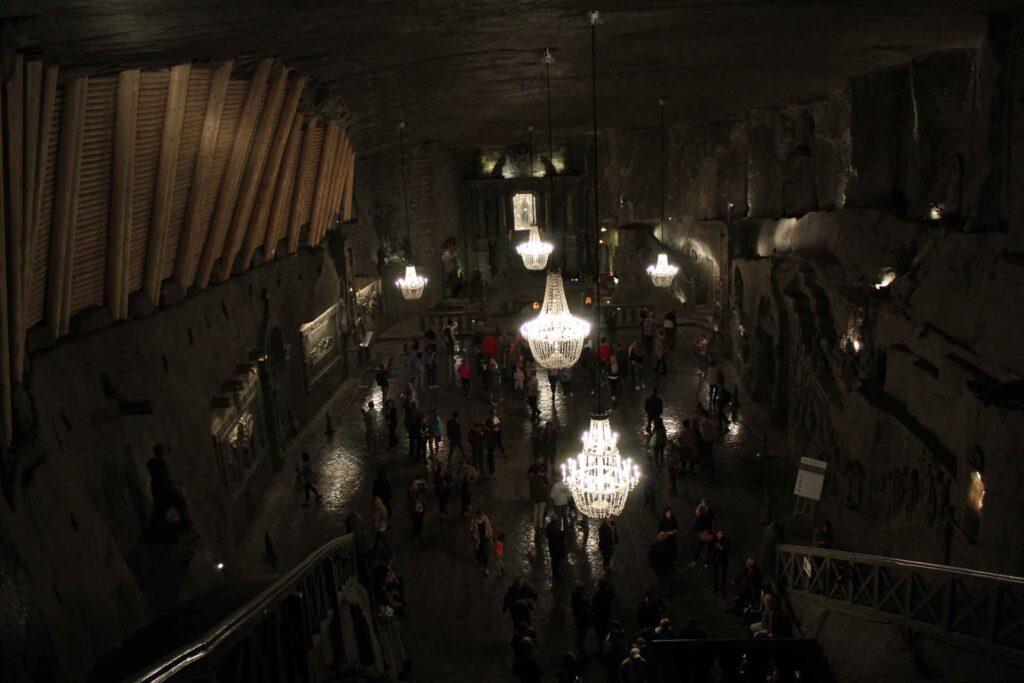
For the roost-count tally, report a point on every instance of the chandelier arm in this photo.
(594, 19)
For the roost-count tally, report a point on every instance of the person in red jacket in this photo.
(466, 375)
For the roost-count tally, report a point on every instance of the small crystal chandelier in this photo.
(556, 336)
(599, 478)
(411, 285)
(534, 251)
(662, 273)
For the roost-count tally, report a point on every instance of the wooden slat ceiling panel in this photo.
(289, 192)
(225, 138)
(275, 122)
(152, 100)
(311, 171)
(41, 257)
(191, 132)
(90, 239)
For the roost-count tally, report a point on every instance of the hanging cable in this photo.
(548, 60)
(405, 189)
(661, 106)
(595, 19)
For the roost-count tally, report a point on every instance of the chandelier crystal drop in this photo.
(412, 284)
(598, 477)
(535, 251)
(663, 272)
(556, 336)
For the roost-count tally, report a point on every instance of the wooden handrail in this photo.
(239, 622)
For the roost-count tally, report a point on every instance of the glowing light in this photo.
(976, 492)
(603, 229)
(856, 345)
(599, 478)
(663, 272)
(935, 212)
(220, 566)
(555, 336)
(412, 285)
(535, 252)
(885, 279)
(536, 305)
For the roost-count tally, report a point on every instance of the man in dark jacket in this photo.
(556, 545)
(455, 437)
(607, 539)
(720, 560)
(653, 406)
(539, 488)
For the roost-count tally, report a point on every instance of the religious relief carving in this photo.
(237, 427)
(321, 348)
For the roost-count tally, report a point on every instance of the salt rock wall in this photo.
(74, 576)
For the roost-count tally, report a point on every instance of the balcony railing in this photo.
(974, 609)
(784, 660)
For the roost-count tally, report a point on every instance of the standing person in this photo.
(717, 382)
(383, 381)
(391, 419)
(601, 609)
(499, 553)
(306, 479)
(380, 526)
(689, 446)
(533, 395)
(549, 443)
(668, 326)
(613, 375)
(553, 383)
(519, 378)
(417, 508)
(434, 434)
(604, 354)
(707, 441)
(704, 528)
(483, 536)
(419, 371)
(519, 599)
(560, 497)
(467, 475)
(720, 561)
(648, 326)
(477, 439)
(636, 364)
(412, 428)
(675, 463)
(660, 360)
(455, 437)
(565, 377)
(382, 489)
(607, 539)
(491, 441)
(669, 525)
(494, 424)
(538, 477)
(649, 612)
(659, 441)
(556, 545)
(466, 376)
(581, 617)
(430, 366)
(493, 380)
(653, 408)
(370, 423)
(442, 488)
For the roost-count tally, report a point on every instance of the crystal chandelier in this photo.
(556, 336)
(662, 273)
(599, 478)
(534, 251)
(411, 285)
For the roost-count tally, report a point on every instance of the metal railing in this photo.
(271, 637)
(786, 660)
(973, 609)
(436, 320)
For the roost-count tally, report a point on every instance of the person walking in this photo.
(607, 539)
(636, 364)
(306, 479)
(560, 497)
(391, 419)
(706, 445)
(668, 326)
(442, 488)
(477, 440)
(465, 371)
(493, 379)
(383, 379)
(533, 395)
(704, 528)
(499, 552)
(466, 479)
(416, 508)
(660, 356)
(565, 377)
(653, 408)
(549, 445)
(382, 489)
(601, 609)
(518, 602)
(553, 383)
(493, 423)
(430, 366)
(491, 441)
(648, 325)
(658, 442)
(581, 616)
(370, 424)
(519, 379)
(538, 477)
(412, 429)
(483, 535)
(720, 561)
(454, 428)
(434, 434)
(556, 546)
(669, 525)
(419, 371)
(613, 375)
(380, 526)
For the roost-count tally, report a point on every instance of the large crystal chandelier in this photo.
(556, 336)
(662, 273)
(411, 285)
(598, 477)
(534, 251)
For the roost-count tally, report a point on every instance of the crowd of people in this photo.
(496, 365)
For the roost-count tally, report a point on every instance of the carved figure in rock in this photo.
(168, 495)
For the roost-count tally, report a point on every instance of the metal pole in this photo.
(405, 190)
(548, 59)
(595, 18)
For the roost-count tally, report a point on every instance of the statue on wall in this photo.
(170, 509)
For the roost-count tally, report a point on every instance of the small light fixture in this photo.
(536, 305)
(885, 278)
(935, 212)
(220, 566)
(604, 229)
(976, 492)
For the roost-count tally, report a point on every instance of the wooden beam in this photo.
(46, 115)
(338, 189)
(305, 157)
(327, 151)
(204, 165)
(6, 410)
(65, 204)
(33, 145)
(15, 129)
(170, 141)
(332, 193)
(350, 181)
(122, 176)
(264, 198)
(241, 225)
(228, 192)
(286, 184)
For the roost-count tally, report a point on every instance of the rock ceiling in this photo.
(469, 70)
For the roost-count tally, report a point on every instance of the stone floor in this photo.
(454, 629)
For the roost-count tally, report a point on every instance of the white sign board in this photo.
(810, 478)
